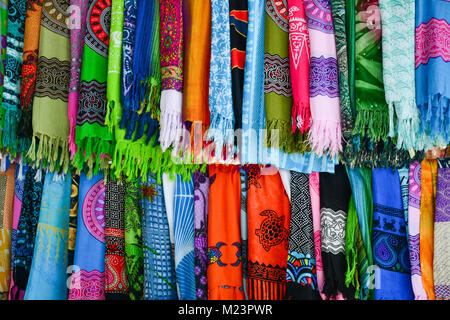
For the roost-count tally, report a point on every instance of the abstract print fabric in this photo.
(389, 242)
(414, 230)
(159, 266)
(441, 261)
(301, 268)
(87, 281)
(201, 203)
(184, 234)
(225, 281)
(7, 195)
(48, 278)
(268, 213)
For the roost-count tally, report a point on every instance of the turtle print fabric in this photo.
(268, 214)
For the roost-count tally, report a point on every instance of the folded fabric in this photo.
(87, 281)
(225, 281)
(7, 195)
(201, 205)
(268, 221)
(390, 246)
(48, 277)
(159, 266)
(441, 261)
(414, 230)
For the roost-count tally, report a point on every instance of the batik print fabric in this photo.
(224, 234)
(73, 218)
(6, 228)
(26, 232)
(325, 134)
(48, 277)
(29, 70)
(184, 236)
(432, 67)
(159, 266)
(13, 71)
(201, 200)
(441, 261)
(20, 174)
(335, 192)
(134, 254)
(116, 283)
(87, 281)
(414, 231)
(268, 214)
(301, 267)
(427, 213)
(390, 246)
(50, 144)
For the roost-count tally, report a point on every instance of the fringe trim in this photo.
(258, 289)
(9, 139)
(92, 151)
(301, 117)
(374, 123)
(351, 276)
(221, 132)
(325, 135)
(170, 118)
(51, 152)
(436, 119)
(286, 140)
(406, 124)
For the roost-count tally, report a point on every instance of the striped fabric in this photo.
(158, 269)
(183, 209)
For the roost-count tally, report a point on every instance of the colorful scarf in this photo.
(267, 209)
(220, 84)
(397, 18)
(197, 54)
(116, 284)
(335, 195)
(134, 253)
(432, 66)
(224, 234)
(141, 111)
(171, 48)
(87, 281)
(6, 229)
(26, 232)
(314, 192)
(3, 45)
(299, 53)
(238, 37)
(73, 218)
(277, 85)
(77, 36)
(94, 141)
(414, 230)
(244, 230)
(159, 267)
(201, 200)
(29, 69)
(359, 240)
(183, 222)
(50, 119)
(48, 278)
(20, 174)
(403, 173)
(13, 72)
(441, 262)
(340, 22)
(326, 132)
(390, 245)
(427, 214)
(372, 117)
(301, 267)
